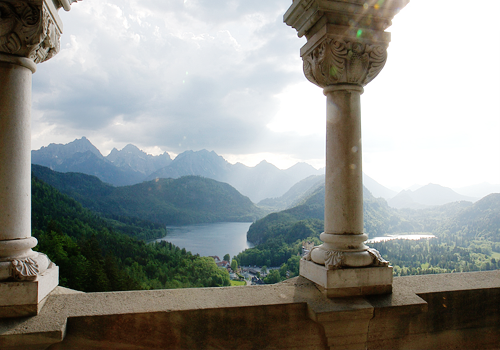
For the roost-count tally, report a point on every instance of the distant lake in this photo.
(210, 239)
(414, 237)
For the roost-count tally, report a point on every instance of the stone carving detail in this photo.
(28, 30)
(377, 258)
(334, 259)
(335, 61)
(25, 269)
(337, 259)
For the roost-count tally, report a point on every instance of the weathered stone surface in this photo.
(340, 60)
(348, 281)
(26, 298)
(30, 28)
(293, 314)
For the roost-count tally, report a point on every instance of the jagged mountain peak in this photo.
(131, 157)
(201, 155)
(56, 152)
(129, 148)
(301, 165)
(264, 164)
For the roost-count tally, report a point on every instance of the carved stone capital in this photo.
(337, 61)
(30, 29)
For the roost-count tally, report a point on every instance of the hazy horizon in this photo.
(413, 187)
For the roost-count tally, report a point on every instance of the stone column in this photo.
(346, 49)
(29, 34)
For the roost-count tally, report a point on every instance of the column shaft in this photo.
(15, 160)
(343, 177)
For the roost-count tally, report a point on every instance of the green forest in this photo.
(182, 201)
(96, 254)
(467, 236)
(100, 245)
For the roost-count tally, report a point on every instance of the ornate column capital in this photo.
(31, 28)
(337, 60)
(346, 39)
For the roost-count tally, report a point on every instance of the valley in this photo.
(466, 229)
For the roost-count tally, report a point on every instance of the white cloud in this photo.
(226, 76)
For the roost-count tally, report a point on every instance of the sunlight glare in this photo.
(302, 111)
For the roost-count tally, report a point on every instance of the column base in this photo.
(347, 282)
(26, 298)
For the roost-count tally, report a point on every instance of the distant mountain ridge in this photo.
(131, 157)
(302, 190)
(379, 218)
(131, 166)
(186, 200)
(82, 156)
(262, 181)
(428, 195)
(57, 153)
(478, 191)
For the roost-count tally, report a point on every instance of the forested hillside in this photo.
(96, 254)
(379, 218)
(187, 200)
(467, 236)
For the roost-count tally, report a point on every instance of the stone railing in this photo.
(448, 311)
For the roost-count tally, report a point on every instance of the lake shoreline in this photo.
(413, 237)
(211, 239)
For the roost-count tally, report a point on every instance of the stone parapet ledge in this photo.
(459, 311)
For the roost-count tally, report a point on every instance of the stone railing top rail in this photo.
(408, 297)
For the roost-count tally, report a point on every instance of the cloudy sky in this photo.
(225, 75)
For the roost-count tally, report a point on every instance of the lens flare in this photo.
(333, 71)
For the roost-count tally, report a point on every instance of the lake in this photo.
(413, 237)
(210, 239)
(231, 238)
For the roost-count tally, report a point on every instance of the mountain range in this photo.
(181, 201)
(428, 195)
(131, 166)
(272, 188)
(121, 168)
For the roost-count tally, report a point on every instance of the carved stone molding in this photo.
(334, 259)
(338, 61)
(28, 29)
(377, 258)
(25, 269)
